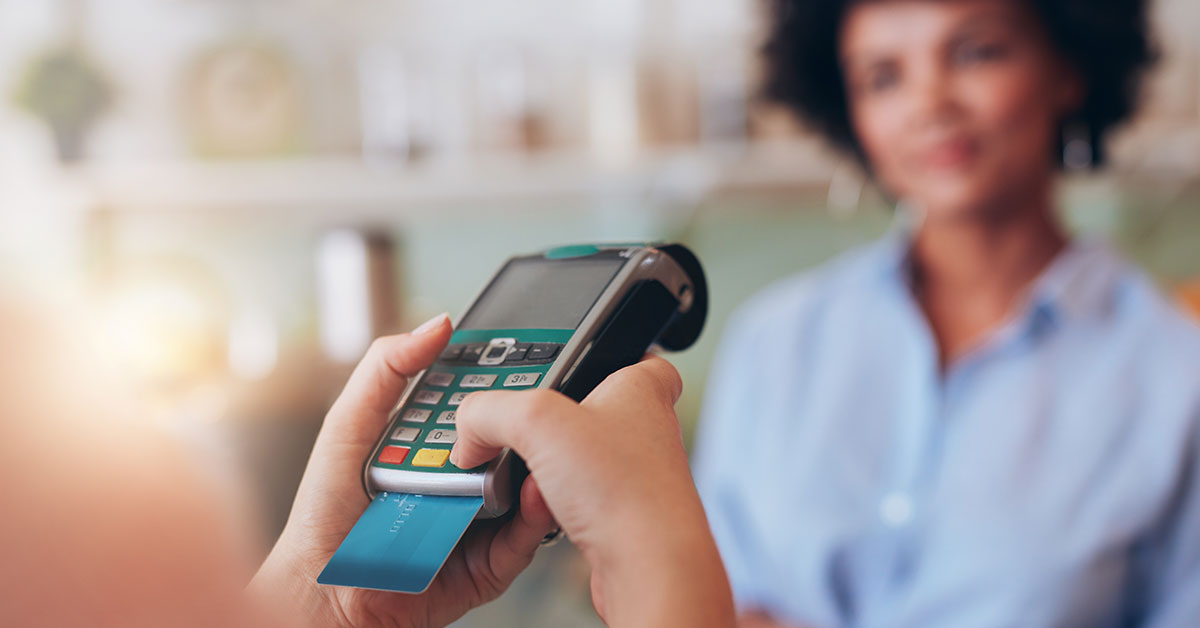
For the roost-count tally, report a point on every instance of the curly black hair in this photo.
(1107, 41)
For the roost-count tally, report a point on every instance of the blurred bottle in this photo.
(356, 291)
(509, 113)
(724, 97)
(394, 107)
(613, 117)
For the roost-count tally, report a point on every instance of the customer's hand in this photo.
(331, 498)
(614, 473)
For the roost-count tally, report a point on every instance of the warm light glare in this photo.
(155, 330)
(253, 344)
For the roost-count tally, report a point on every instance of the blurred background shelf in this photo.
(354, 189)
(347, 188)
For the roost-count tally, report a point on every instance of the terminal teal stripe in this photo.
(522, 335)
(577, 250)
(583, 250)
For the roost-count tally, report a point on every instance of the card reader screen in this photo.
(535, 293)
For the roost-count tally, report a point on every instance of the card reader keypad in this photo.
(519, 354)
(425, 428)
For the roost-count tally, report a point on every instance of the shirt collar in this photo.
(1079, 282)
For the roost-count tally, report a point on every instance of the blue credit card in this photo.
(401, 542)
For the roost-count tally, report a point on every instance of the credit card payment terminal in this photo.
(564, 320)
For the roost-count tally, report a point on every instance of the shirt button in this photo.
(896, 509)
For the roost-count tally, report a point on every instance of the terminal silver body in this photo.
(495, 483)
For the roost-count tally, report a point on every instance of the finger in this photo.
(652, 379)
(380, 378)
(517, 541)
(489, 421)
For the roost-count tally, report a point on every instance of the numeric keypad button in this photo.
(406, 434)
(517, 380)
(428, 397)
(441, 437)
(440, 380)
(477, 380)
(416, 415)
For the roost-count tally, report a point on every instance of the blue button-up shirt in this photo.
(1048, 478)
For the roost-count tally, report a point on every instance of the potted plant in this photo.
(64, 89)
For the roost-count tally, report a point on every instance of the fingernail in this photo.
(431, 324)
(454, 455)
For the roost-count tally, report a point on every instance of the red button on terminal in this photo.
(393, 455)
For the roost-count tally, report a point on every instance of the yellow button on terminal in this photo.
(431, 458)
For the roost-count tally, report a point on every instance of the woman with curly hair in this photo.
(980, 420)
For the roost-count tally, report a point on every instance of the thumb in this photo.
(652, 379)
(491, 420)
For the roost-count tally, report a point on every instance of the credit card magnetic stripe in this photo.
(401, 542)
